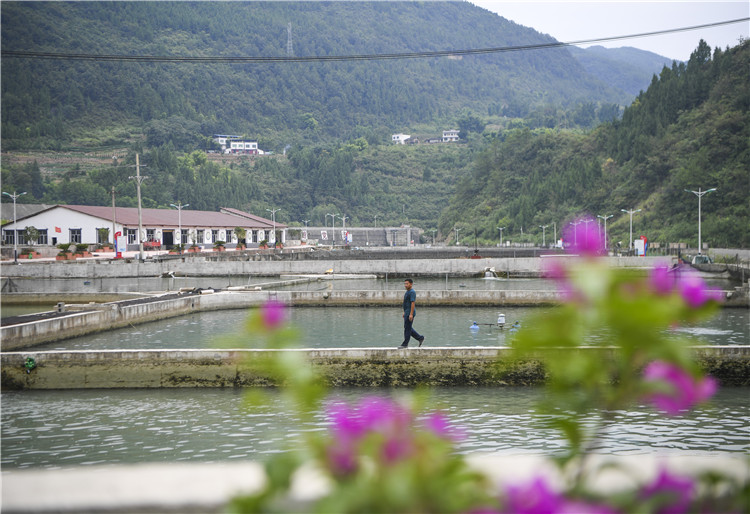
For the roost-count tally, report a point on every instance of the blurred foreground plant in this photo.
(610, 345)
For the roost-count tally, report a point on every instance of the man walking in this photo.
(410, 310)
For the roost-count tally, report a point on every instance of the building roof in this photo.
(128, 216)
(23, 210)
(237, 212)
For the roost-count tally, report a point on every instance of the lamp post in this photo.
(587, 221)
(433, 236)
(333, 228)
(501, 234)
(376, 221)
(343, 227)
(456, 229)
(544, 240)
(179, 208)
(605, 218)
(273, 216)
(700, 194)
(575, 231)
(15, 196)
(631, 212)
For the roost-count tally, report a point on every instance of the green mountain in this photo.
(690, 129)
(627, 69)
(53, 103)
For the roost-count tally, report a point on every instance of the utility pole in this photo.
(501, 235)
(179, 208)
(138, 179)
(343, 227)
(273, 214)
(631, 212)
(605, 218)
(333, 228)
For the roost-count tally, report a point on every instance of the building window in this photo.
(184, 237)
(42, 239)
(8, 237)
(102, 236)
(200, 237)
(230, 231)
(75, 236)
(215, 236)
(150, 234)
(131, 232)
(21, 237)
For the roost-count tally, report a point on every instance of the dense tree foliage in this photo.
(690, 129)
(49, 103)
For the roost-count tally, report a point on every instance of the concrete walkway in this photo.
(206, 488)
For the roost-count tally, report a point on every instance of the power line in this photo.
(364, 57)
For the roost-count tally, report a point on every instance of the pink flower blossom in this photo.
(273, 313)
(675, 491)
(583, 237)
(437, 423)
(694, 290)
(538, 497)
(662, 279)
(685, 391)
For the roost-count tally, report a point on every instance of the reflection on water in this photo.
(363, 327)
(62, 428)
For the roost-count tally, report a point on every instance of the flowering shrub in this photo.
(611, 344)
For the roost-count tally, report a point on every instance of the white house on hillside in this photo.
(399, 139)
(450, 136)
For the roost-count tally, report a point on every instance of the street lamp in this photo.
(587, 221)
(605, 218)
(273, 215)
(700, 194)
(631, 212)
(15, 196)
(575, 231)
(544, 240)
(456, 229)
(433, 236)
(333, 227)
(501, 234)
(343, 226)
(179, 208)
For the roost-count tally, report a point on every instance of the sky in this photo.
(575, 20)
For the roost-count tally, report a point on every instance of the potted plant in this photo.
(279, 244)
(106, 246)
(241, 233)
(219, 246)
(65, 254)
(29, 253)
(176, 249)
(82, 249)
(263, 244)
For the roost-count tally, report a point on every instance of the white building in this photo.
(221, 140)
(450, 136)
(82, 223)
(399, 139)
(243, 146)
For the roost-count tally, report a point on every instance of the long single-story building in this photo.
(82, 224)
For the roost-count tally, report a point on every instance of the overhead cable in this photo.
(334, 58)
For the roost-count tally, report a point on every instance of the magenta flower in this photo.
(538, 497)
(684, 390)
(273, 313)
(675, 491)
(437, 423)
(695, 292)
(662, 279)
(583, 237)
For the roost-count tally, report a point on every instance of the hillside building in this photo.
(450, 136)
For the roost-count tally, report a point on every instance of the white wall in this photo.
(65, 219)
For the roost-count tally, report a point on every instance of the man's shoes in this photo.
(403, 346)
(421, 341)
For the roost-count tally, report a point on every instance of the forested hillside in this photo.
(690, 129)
(57, 103)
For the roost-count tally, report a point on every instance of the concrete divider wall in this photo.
(363, 367)
(116, 315)
(220, 266)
